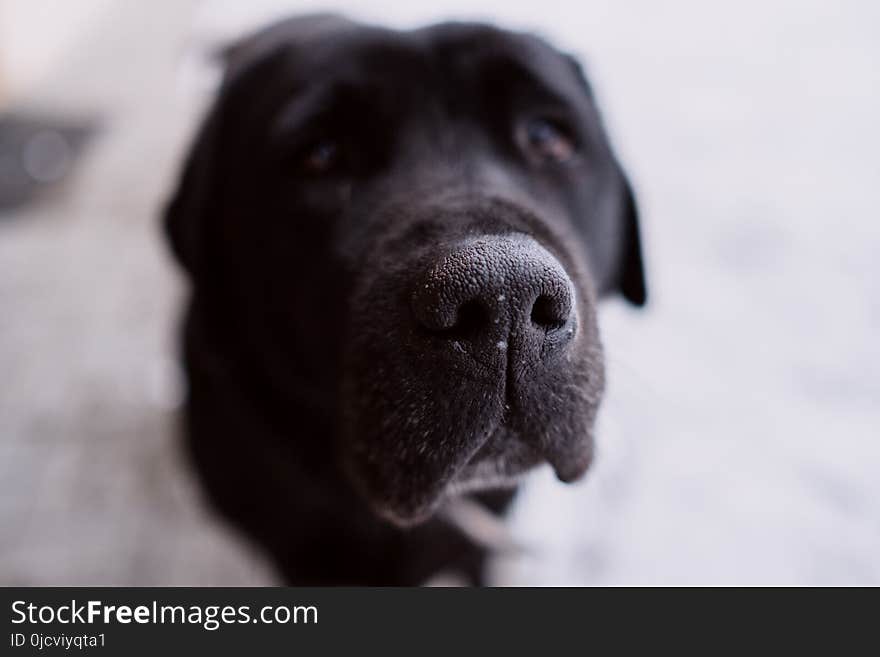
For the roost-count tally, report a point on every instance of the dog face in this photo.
(408, 232)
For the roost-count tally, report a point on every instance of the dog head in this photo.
(411, 230)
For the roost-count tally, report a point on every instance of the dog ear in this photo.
(197, 196)
(187, 212)
(195, 200)
(631, 270)
(629, 279)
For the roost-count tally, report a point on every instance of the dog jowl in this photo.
(396, 243)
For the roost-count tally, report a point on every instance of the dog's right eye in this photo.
(320, 158)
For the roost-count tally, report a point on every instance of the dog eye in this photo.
(547, 140)
(320, 158)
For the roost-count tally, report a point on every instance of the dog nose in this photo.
(496, 289)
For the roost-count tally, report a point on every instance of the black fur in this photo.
(414, 321)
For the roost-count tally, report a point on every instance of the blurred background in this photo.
(740, 439)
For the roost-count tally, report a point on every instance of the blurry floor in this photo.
(739, 442)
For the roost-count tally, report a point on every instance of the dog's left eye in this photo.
(320, 157)
(547, 140)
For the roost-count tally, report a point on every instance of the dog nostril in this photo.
(486, 289)
(548, 314)
(471, 319)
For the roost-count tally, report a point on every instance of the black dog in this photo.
(396, 242)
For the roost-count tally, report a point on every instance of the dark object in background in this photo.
(36, 153)
(396, 241)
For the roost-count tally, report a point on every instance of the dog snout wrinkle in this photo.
(500, 296)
